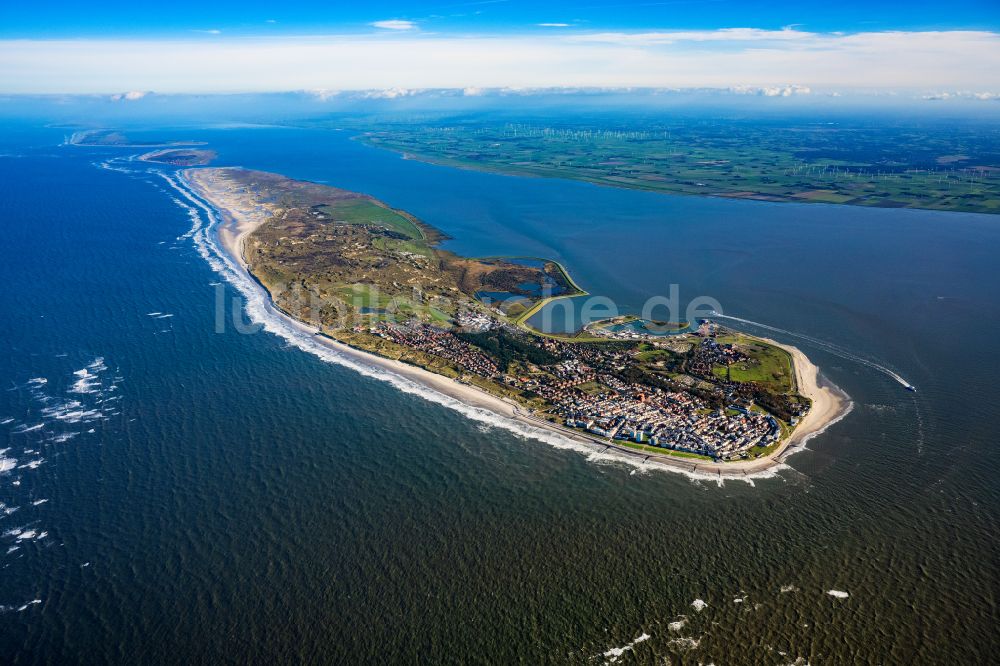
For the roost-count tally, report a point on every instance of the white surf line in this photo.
(824, 345)
(258, 308)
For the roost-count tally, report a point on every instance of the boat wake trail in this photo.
(827, 347)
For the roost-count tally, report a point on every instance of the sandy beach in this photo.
(829, 405)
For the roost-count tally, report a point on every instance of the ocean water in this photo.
(174, 494)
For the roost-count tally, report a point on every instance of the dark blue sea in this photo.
(175, 493)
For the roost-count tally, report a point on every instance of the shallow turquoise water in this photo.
(244, 500)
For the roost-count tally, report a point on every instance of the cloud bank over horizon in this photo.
(769, 62)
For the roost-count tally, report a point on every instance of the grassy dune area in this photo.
(332, 256)
(771, 365)
(367, 211)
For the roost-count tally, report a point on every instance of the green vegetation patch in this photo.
(592, 388)
(655, 356)
(365, 211)
(767, 365)
(662, 451)
(506, 349)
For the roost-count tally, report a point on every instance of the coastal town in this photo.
(596, 388)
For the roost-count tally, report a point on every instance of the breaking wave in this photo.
(57, 413)
(614, 654)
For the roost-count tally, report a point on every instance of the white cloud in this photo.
(389, 93)
(394, 24)
(323, 94)
(130, 96)
(754, 59)
(213, 31)
(771, 91)
(681, 36)
(552, 25)
(962, 94)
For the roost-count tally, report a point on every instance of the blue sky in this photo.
(927, 50)
(107, 18)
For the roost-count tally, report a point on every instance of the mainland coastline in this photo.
(237, 221)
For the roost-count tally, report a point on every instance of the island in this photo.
(373, 282)
(116, 139)
(180, 156)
